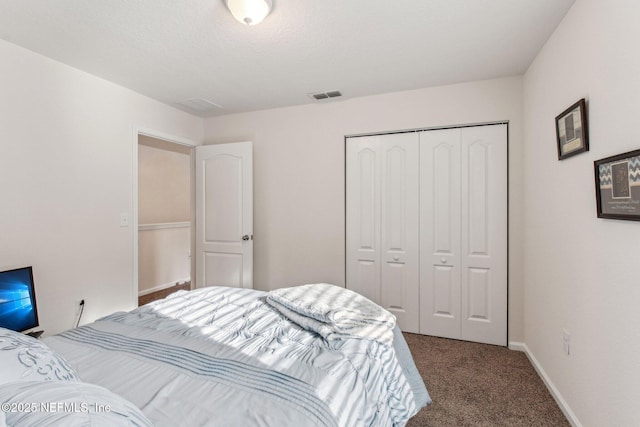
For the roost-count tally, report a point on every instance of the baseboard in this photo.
(564, 406)
(518, 346)
(163, 287)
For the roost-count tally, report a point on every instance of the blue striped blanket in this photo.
(334, 312)
(224, 356)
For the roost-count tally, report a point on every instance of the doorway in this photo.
(163, 217)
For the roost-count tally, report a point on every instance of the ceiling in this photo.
(174, 51)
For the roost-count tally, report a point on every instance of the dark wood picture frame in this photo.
(618, 186)
(572, 131)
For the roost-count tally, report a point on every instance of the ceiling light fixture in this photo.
(249, 12)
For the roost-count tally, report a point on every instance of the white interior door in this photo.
(440, 233)
(463, 232)
(382, 223)
(363, 216)
(484, 231)
(224, 215)
(399, 239)
(426, 232)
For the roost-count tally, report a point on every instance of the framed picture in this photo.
(571, 130)
(618, 186)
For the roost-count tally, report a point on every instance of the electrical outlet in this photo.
(566, 341)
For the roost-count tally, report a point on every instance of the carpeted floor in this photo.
(480, 385)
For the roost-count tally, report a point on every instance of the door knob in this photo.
(245, 237)
(444, 260)
(396, 258)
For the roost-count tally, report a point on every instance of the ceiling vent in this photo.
(199, 106)
(325, 96)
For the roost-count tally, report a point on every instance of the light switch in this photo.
(124, 219)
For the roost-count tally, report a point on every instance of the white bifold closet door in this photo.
(463, 233)
(382, 223)
(426, 232)
(440, 233)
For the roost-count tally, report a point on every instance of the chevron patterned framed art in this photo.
(618, 186)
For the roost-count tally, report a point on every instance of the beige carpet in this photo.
(480, 385)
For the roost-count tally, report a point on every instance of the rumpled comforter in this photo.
(334, 312)
(224, 357)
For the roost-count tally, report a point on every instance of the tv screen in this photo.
(18, 310)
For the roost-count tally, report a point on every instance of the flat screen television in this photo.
(18, 310)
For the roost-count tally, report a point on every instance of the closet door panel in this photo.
(478, 294)
(478, 194)
(484, 234)
(440, 233)
(445, 298)
(399, 228)
(363, 216)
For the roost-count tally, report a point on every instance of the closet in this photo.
(426, 228)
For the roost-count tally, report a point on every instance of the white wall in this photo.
(66, 163)
(163, 257)
(581, 272)
(299, 173)
(164, 183)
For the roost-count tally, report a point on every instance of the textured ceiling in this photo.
(178, 50)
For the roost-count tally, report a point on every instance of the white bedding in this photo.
(334, 312)
(223, 356)
(39, 388)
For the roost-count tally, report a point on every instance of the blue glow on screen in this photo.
(17, 302)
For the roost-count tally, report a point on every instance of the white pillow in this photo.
(67, 403)
(25, 358)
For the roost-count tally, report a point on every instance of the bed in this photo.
(227, 356)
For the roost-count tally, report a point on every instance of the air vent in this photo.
(325, 96)
(198, 106)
